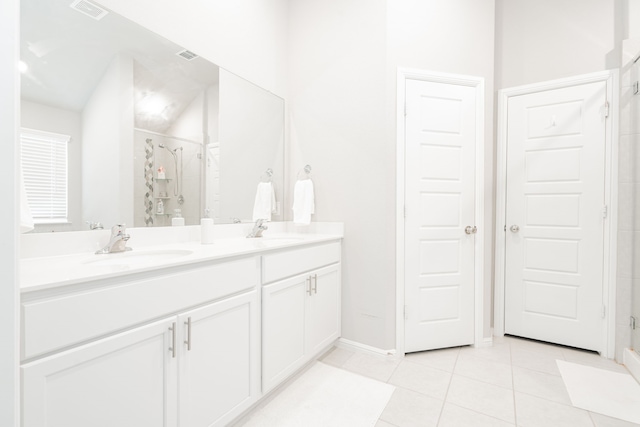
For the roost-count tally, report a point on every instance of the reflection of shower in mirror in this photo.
(177, 189)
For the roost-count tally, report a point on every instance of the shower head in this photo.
(173, 152)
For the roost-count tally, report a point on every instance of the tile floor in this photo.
(514, 383)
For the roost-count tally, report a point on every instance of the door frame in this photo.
(611, 197)
(404, 74)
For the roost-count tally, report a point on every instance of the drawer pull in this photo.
(315, 283)
(308, 281)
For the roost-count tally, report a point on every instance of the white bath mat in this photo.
(325, 396)
(598, 390)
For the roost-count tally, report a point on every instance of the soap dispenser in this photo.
(160, 207)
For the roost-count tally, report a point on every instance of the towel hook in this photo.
(306, 170)
(266, 176)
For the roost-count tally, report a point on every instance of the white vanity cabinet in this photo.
(301, 311)
(125, 380)
(196, 367)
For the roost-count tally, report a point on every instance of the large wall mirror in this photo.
(155, 130)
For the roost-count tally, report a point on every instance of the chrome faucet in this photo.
(258, 228)
(117, 242)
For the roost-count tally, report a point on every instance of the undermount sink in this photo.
(137, 257)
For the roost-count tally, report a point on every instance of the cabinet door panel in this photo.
(219, 375)
(124, 380)
(323, 316)
(283, 329)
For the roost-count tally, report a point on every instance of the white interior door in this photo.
(555, 215)
(440, 172)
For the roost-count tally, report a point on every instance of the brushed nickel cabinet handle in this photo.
(188, 341)
(315, 283)
(172, 349)
(308, 281)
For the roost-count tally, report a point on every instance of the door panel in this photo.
(440, 145)
(555, 201)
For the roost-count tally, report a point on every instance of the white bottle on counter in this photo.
(177, 220)
(206, 231)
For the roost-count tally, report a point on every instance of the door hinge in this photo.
(606, 109)
(604, 311)
(605, 211)
(406, 315)
(633, 322)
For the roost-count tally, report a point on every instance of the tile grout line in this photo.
(513, 386)
(444, 401)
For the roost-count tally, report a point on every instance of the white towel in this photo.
(265, 203)
(303, 203)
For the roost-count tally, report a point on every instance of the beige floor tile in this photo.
(536, 346)
(499, 352)
(592, 359)
(540, 384)
(603, 421)
(408, 408)
(535, 360)
(337, 356)
(533, 411)
(423, 379)
(456, 416)
(377, 367)
(482, 397)
(484, 370)
(444, 359)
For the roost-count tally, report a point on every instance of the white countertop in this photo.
(47, 272)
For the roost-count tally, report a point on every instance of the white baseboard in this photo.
(486, 342)
(631, 360)
(363, 348)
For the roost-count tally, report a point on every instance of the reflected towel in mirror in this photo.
(303, 202)
(265, 203)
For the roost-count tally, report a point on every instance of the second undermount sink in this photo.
(137, 257)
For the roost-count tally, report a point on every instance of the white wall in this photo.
(549, 39)
(107, 152)
(9, 216)
(51, 119)
(343, 57)
(246, 37)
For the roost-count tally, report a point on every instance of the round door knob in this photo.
(470, 230)
(514, 228)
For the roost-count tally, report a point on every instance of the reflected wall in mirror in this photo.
(135, 103)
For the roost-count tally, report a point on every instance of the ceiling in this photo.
(67, 53)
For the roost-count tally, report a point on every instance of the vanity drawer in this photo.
(57, 322)
(283, 264)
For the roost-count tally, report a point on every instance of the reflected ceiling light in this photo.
(152, 104)
(23, 67)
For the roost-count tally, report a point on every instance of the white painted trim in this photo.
(611, 196)
(631, 361)
(478, 83)
(363, 348)
(10, 214)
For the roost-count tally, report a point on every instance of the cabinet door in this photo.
(323, 310)
(219, 361)
(283, 329)
(124, 380)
